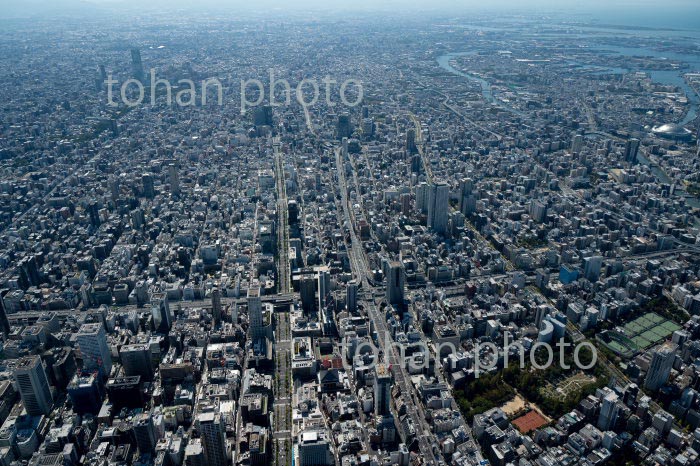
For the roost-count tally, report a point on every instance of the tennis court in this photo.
(649, 330)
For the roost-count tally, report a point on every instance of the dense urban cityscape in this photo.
(299, 239)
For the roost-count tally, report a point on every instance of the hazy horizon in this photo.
(645, 13)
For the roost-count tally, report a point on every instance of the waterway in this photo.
(666, 77)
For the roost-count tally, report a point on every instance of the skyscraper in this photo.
(174, 179)
(307, 290)
(136, 360)
(609, 410)
(145, 433)
(466, 186)
(136, 64)
(314, 448)
(33, 385)
(660, 367)
(411, 147)
(344, 126)
(438, 206)
(324, 287)
(148, 189)
(382, 390)
(160, 309)
(255, 315)
(216, 308)
(395, 283)
(4, 322)
(351, 296)
(86, 393)
(591, 267)
(211, 428)
(631, 149)
(92, 341)
(577, 144)
(422, 196)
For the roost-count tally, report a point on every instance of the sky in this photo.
(667, 13)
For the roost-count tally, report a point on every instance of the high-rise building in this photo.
(136, 64)
(145, 433)
(577, 144)
(216, 308)
(148, 189)
(609, 410)
(263, 116)
(382, 390)
(438, 206)
(212, 431)
(344, 126)
(314, 448)
(194, 453)
(92, 341)
(160, 310)
(411, 147)
(307, 290)
(351, 296)
(660, 367)
(324, 287)
(591, 267)
(631, 149)
(538, 211)
(255, 314)
(395, 283)
(4, 321)
(93, 210)
(174, 178)
(136, 360)
(33, 385)
(422, 196)
(86, 393)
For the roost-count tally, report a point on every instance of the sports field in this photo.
(649, 330)
(529, 422)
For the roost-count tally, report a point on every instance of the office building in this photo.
(591, 268)
(422, 197)
(136, 360)
(631, 150)
(324, 287)
(94, 349)
(86, 393)
(33, 385)
(344, 126)
(314, 448)
(351, 296)
(662, 359)
(145, 433)
(216, 307)
(255, 314)
(125, 392)
(609, 410)
(382, 390)
(4, 322)
(174, 179)
(307, 291)
(160, 309)
(148, 187)
(411, 147)
(212, 431)
(395, 283)
(577, 144)
(438, 207)
(136, 64)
